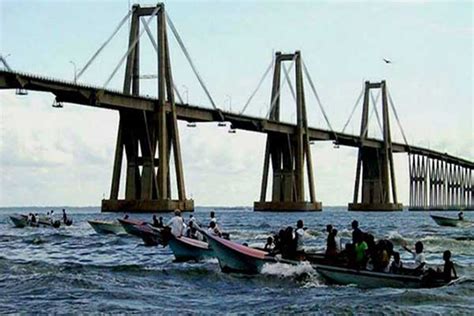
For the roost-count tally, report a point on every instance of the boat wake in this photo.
(287, 270)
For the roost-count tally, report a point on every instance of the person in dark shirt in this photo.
(355, 230)
(448, 269)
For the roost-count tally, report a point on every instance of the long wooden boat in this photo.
(187, 249)
(371, 279)
(105, 227)
(447, 221)
(234, 257)
(130, 226)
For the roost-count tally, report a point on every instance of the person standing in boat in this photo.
(176, 224)
(213, 218)
(355, 230)
(360, 249)
(299, 238)
(461, 216)
(269, 246)
(418, 256)
(64, 216)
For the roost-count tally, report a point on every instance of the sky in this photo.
(64, 156)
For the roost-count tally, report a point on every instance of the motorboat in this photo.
(188, 249)
(372, 279)
(448, 221)
(130, 226)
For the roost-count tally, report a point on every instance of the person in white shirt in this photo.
(214, 230)
(299, 235)
(176, 224)
(418, 256)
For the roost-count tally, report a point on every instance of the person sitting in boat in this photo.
(360, 250)
(214, 230)
(418, 256)
(125, 216)
(269, 246)
(157, 222)
(192, 232)
(33, 218)
(381, 259)
(448, 270)
(397, 264)
(176, 224)
(461, 216)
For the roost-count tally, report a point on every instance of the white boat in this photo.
(103, 227)
(371, 279)
(448, 221)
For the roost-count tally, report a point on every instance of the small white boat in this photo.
(448, 221)
(103, 227)
(21, 221)
(371, 279)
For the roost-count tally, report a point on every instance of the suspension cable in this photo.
(272, 105)
(396, 117)
(188, 57)
(155, 45)
(258, 86)
(311, 84)
(374, 102)
(131, 47)
(4, 62)
(290, 86)
(353, 109)
(122, 22)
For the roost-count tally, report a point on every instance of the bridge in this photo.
(148, 131)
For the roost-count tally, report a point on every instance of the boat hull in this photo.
(446, 221)
(186, 249)
(370, 279)
(19, 221)
(234, 257)
(101, 227)
(130, 227)
(150, 236)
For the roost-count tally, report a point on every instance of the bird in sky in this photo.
(387, 61)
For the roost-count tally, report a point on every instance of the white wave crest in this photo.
(288, 270)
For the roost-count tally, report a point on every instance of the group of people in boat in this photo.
(179, 227)
(362, 253)
(34, 218)
(365, 253)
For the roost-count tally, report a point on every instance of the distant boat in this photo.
(447, 221)
(21, 221)
(188, 249)
(103, 227)
(371, 279)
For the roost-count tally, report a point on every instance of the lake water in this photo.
(75, 270)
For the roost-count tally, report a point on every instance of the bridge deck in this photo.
(109, 99)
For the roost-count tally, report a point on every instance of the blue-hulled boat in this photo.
(187, 249)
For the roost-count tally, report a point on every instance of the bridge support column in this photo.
(148, 138)
(287, 154)
(375, 165)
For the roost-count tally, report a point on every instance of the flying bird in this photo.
(387, 61)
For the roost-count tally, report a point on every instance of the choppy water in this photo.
(75, 270)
